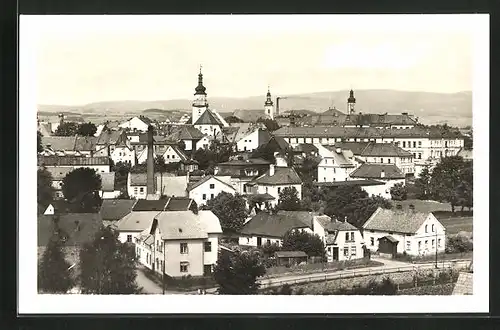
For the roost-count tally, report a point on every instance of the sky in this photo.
(85, 59)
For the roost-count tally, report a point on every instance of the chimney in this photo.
(150, 163)
(345, 219)
(338, 150)
(382, 174)
(271, 169)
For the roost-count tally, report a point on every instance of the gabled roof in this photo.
(399, 221)
(208, 118)
(355, 147)
(182, 225)
(282, 175)
(276, 225)
(85, 143)
(79, 228)
(250, 161)
(140, 179)
(115, 209)
(171, 185)
(373, 171)
(110, 137)
(205, 179)
(340, 157)
(186, 132)
(150, 205)
(178, 204)
(57, 143)
(180, 153)
(136, 221)
(336, 225)
(107, 181)
(384, 149)
(145, 120)
(333, 112)
(59, 172)
(72, 161)
(278, 143)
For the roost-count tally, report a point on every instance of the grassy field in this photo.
(455, 225)
(423, 206)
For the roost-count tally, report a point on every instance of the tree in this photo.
(86, 129)
(107, 265)
(83, 185)
(233, 119)
(54, 273)
(270, 124)
(160, 165)
(265, 152)
(308, 170)
(39, 146)
(297, 240)
(289, 199)
(45, 191)
(230, 209)
(236, 273)
(66, 129)
(312, 196)
(121, 175)
(446, 178)
(269, 249)
(139, 168)
(399, 192)
(423, 184)
(464, 188)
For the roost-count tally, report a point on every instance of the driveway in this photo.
(148, 286)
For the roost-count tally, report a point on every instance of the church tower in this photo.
(268, 105)
(351, 102)
(200, 99)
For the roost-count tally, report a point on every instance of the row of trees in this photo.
(72, 128)
(106, 266)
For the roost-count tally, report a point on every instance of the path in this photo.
(149, 286)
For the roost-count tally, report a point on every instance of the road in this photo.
(150, 287)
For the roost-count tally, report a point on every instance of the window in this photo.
(352, 236)
(168, 156)
(426, 244)
(414, 144)
(432, 228)
(129, 238)
(208, 246)
(432, 243)
(389, 160)
(419, 144)
(204, 196)
(135, 190)
(419, 245)
(404, 144)
(346, 236)
(173, 156)
(267, 190)
(279, 189)
(212, 186)
(419, 155)
(353, 251)
(184, 248)
(414, 155)
(408, 245)
(381, 160)
(439, 243)
(268, 241)
(211, 196)
(426, 228)
(346, 252)
(372, 241)
(184, 267)
(141, 189)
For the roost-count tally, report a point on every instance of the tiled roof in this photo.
(282, 175)
(80, 228)
(333, 112)
(188, 133)
(171, 185)
(384, 149)
(399, 221)
(181, 225)
(136, 221)
(264, 197)
(389, 238)
(464, 285)
(205, 179)
(306, 148)
(59, 142)
(366, 182)
(342, 158)
(145, 120)
(85, 143)
(72, 161)
(115, 209)
(178, 204)
(355, 147)
(208, 118)
(210, 222)
(373, 171)
(140, 179)
(58, 173)
(150, 205)
(110, 137)
(278, 143)
(180, 153)
(107, 181)
(335, 225)
(276, 225)
(290, 254)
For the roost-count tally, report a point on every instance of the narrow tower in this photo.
(351, 101)
(268, 105)
(200, 99)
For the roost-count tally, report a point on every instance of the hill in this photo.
(453, 108)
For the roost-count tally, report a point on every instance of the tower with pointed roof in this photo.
(268, 105)
(351, 102)
(200, 103)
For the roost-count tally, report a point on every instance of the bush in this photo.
(399, 192)
(458, 244)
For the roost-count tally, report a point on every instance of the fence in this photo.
(268, 283)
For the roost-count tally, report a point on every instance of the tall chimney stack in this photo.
(150, 163)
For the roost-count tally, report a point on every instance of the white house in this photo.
(180, 243)
(174, 154)
(137, 185)
(404, 231)
(108, 190)
(140, 123)
(209, 187)
(388, 153)
(274, 181)
(342, 241)
(266, 228)
(336, 164)
(208, 123)
(248, 136)
(388, 173)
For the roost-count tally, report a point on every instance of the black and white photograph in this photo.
(269, 163)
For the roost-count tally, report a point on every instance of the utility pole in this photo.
(436, 248)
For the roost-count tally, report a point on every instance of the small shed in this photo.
(388, 245)
(290, 258)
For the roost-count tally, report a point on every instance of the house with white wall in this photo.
(174, 154)
(58, 174)
(247, 136)
(192, 137)
(137, 185)
(209, 187)
(242, 172)
(336, 164)
(269, 228)
(138, 123)
(390, 174)
(388, 153)
(208, 123)
(407, 231)
(342, 240)
(180, 243)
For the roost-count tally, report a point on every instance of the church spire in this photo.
(351, 101)
(200, 89)
(269, 101)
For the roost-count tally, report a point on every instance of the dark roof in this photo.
(80, 228)
(115, 209)
(290, 254)
(145, 120)
(61, 206)
(282, 175)
(110, 137)
(373, 171)
(72, 161)
(205, 179)
(178, 204)
(276, 225)
(367, 182)
(186, 132)
(355, 147)
(59, 143)
(389, 238)
(335, 225)
(85, 143)
(384, 149)
(399, 221)
(277, 143)
(305, 148)
(208, 118)
(150, 205)
(333, 112)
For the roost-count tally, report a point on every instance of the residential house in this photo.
(388, 153)
(137, 185)
(114, 144)
(342, 241)
(242, 171)
(274, 181)
(99, 164)
(180, 243)
(209, 123)
(192, 137)
(209, 187)
(58, 174)
(336, 164)
(269, 228)
(388, 173)
(139, 123)
(77, 146)
(113, 210)
(248, 136)
(108, 190)
(174, 154)
(407, 231)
